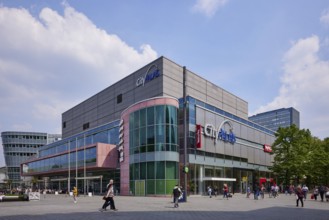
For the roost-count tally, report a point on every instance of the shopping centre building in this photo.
(157, 127)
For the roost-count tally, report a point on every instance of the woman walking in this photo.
(109, 198)
(299, 196)
(75, 194)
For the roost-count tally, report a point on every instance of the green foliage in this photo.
(299, 157)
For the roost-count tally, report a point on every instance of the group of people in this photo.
(212, 191)
(301, 193)
(323, 191)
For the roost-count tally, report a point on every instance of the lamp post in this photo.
(185, 130)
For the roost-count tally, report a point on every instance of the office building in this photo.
(283, 117)
(160, 126)
(20, 146)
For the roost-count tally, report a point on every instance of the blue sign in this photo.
(227, 137)
(220, 133)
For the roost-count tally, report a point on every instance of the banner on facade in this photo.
(198, 136)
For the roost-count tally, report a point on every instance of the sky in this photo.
(56, 54)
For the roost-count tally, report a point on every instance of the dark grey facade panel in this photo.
(106, 95)
(105, 108)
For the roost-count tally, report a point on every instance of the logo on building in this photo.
(221, 133)
(224, 132)
(120, 148)
(267, 148)
(151, 73)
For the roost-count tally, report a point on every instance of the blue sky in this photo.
(55, 54)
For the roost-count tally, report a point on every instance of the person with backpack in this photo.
(176, 193)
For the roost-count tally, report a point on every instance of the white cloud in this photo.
(304, 86)
(208, 7)
(325, 17)
(50, 63)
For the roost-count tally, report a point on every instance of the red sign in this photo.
(198, 136)
(267, 148)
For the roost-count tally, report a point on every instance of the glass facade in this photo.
(64, 164)
(238, 162)
(153, 131)
(283, 117)
(79, 159)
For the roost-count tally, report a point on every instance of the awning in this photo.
(219, 179)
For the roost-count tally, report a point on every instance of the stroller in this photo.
(327, 196)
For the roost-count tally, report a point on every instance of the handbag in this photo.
(104, 197)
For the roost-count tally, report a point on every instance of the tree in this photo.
(299, 157)
(319, 162)
(291, 148)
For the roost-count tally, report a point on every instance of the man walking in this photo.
(176, 193)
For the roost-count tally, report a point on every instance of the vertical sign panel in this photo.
(198, 136)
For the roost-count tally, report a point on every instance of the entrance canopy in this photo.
(219, 179)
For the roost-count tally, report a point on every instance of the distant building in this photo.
(3, 177)
(283, 117)
(20, 146)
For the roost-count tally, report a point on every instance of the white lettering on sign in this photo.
(220, 133)
(267, 148)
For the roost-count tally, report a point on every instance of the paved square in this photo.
(147, 208)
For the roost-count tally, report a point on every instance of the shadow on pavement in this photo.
(273, 213)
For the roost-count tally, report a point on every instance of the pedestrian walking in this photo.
(109, 198)
(299, 196)
(209, 191)
(322, 190)
(225, 190)
(75, 194)
(305, 191)
(315, 193)
(262, 191)
(248, 192)
(176, 194)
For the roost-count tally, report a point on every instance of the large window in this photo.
(154, 129)
(62, 161)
